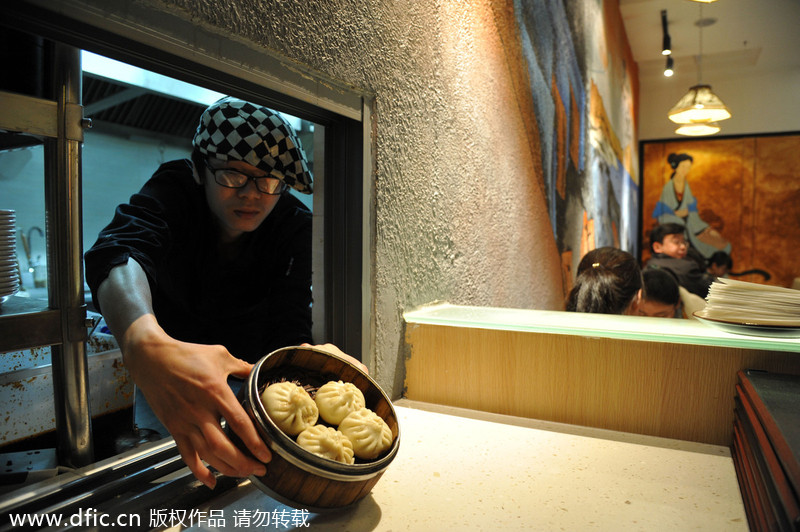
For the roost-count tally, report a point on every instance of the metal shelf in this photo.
(61, 321)
(26, 324)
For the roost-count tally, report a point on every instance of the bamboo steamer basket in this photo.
(298, 477)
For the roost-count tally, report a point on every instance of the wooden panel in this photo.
(776, 207)
(661, 389)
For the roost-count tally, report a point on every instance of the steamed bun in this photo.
(290, 407)
(327, 442)
(368, 432)
(335, 400)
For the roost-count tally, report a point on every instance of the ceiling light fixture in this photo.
(699, 106)
(668, 71)
(666, 42)
(698, 129)
(704, 1)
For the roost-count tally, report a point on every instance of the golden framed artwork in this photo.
(736, 194)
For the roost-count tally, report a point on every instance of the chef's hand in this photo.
(186, 386)
(335, 351)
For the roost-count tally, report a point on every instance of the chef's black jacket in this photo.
(252, 304)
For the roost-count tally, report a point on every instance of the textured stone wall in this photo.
(460, 214)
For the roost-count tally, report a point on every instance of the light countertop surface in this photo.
(601, 326)
(464, 470)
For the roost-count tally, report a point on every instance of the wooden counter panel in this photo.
(661, 389)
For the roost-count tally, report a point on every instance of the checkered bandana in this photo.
(232, 129)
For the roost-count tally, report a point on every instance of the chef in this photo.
(205, 270)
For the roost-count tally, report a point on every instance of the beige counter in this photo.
(464, 470)
(661, 377)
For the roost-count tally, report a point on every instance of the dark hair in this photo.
(661, 286)
(198, 162)
(606, 283)
(720, 258)
(674, 159)
(658, 232)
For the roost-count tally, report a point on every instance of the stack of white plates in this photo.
(751, 308)
(9, 270)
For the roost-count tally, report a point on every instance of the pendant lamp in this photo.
(700, 104)
(698, 129)
(699, 108)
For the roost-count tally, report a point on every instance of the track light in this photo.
(666, 42)
(668, 69)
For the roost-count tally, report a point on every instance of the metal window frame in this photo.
(163, 43)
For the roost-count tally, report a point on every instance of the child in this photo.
(720, 264)
(661, 297)
(669, 247)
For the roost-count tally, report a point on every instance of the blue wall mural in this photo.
(583, 81)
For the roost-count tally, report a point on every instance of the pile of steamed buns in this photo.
(352, 430)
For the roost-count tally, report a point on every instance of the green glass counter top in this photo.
(594, 325)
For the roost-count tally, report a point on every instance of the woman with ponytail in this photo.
(609, 281)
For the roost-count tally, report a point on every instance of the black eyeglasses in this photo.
(230, 178)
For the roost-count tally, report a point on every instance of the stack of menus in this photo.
(766, 449)
(754, 309)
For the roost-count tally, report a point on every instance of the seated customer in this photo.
(661, 297)
(669, 247)
(608, 281)
(720, 264)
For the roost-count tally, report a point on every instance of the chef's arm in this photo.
(184, 383)
(124, 297)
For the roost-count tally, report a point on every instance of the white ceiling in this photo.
(749, 37)
(751, 54)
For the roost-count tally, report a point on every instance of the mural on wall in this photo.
(678, 205)
(743, 196)
(583, 81)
